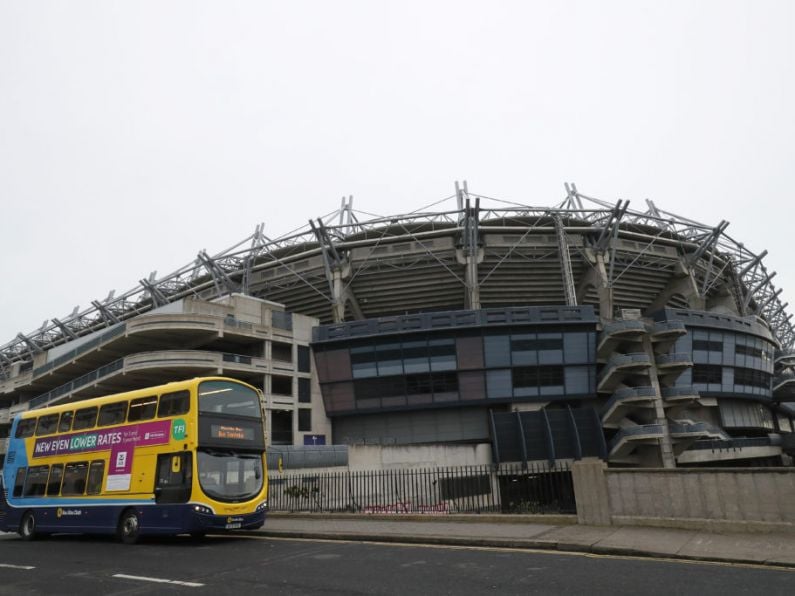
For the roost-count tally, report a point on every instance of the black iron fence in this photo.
(536, 488)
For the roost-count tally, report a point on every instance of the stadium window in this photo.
(281, 385)
(442, 354)
(173, 404)
(47, 424)
(281, 351)
(389, 359)
(95, 474)
(54, 482)
(751, 377)
(112, 413)
(747, 350)
(304, 419)
(446, 382)
(537, 376)
(707, 373)
(707, 345)
(65, 423)
(36, 481)
(304, 391)
(85, 418)
(143, 408)
(363, 362)
(74, 478)
(25, 428)
(304, 360)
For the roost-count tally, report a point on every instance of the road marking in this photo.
(158, 580)
(9, 566)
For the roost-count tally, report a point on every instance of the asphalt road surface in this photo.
(245, 565)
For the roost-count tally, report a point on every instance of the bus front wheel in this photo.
(129, 527)
(27, 527)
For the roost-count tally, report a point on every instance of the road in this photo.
(242, 565)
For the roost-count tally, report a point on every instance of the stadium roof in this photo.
(299, 267)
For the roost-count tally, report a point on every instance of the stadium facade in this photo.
(587, 329)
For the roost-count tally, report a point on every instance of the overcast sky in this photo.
(134, 134)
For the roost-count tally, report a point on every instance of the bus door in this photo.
(173, 477)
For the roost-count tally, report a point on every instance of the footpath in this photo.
(559, 533)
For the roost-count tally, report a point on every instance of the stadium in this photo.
(586, 329)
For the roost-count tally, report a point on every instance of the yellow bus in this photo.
(185, 457)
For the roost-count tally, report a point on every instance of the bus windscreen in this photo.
(223, 397)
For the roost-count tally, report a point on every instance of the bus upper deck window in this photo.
(172, 404)
(65, 424)
(25, 428)
(112, 413)
(143, 408)
(85, 418)
(47, 424)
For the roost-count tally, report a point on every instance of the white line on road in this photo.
(158, 580)
(9, 566)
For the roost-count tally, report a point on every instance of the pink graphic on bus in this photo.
(120, 441)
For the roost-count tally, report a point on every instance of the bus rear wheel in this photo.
(129, 527)
(27, 527)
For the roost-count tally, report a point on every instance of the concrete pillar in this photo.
(590, 492)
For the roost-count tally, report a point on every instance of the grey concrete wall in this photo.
(738, 498)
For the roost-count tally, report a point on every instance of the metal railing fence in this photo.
(537, 488)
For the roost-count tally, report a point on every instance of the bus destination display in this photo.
(231, 431)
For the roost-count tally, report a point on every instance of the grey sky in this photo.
(134, 134)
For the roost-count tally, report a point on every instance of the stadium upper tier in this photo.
(465, 252)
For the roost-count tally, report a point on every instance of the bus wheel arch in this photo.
(129, 527)
(27, 526)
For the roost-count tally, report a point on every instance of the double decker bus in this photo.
(185, 457)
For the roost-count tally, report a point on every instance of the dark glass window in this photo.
(173, 404)
(420, 384)
(65, 423)
(142, 408)
(304, 391)
(707, 373)
(442, 354)
(304, 419)
(281, 385)
(47, 424)
(54, 482)
(112, 413)
(95, 474)
(74, 478)
(708, 345)
(389, 360)
(19, 482)
(85, 418)
(304, 360)
(370, 388)
(25, 428)
(36, 481)
(521, 345)
(748, 350)
(363, 362)
(415, 357)
(751, 377)
(537, 376)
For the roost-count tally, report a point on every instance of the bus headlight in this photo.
(202, 509)
(262, 507)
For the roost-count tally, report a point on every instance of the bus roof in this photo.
(142, 392)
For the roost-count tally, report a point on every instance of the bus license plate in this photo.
(233, 526)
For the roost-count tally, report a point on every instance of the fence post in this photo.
(590, 492)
